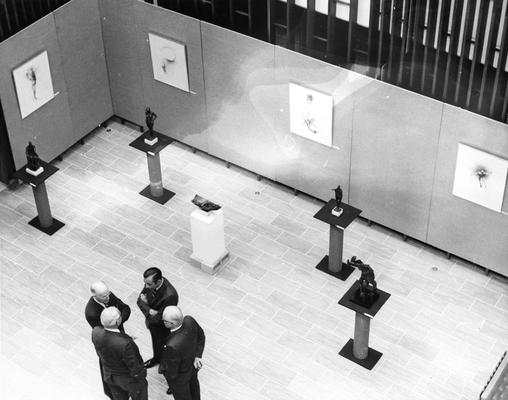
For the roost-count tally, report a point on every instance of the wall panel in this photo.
(181, 115)
(119, 31)
(304, 164)
(460, 227)
(240, 99)
(80, 39)
(51, 124)
(395, 137)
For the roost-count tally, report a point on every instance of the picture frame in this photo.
(311, 114)
(33, 83)
(169, 61)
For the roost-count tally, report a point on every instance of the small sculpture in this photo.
(367, 293)
(482, 174)
(204, 204)
(150, 118)
(337, 210)
(33, 165)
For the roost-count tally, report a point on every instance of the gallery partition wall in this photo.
(397, 154)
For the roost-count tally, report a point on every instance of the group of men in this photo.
(177, 341)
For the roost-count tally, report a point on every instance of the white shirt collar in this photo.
(175, 329)
(112, 329)
(98, 302)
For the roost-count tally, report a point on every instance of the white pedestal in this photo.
(207, 230)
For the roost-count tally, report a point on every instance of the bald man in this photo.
(182, 354)
(101, 298)
(123, 367)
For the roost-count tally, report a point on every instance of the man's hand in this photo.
(143, 298)
(197, 363)
(152, 312)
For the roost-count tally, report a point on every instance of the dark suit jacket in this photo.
(182, 346)
(118, 353)
(158, 300)
(93, 310)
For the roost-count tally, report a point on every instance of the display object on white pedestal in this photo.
(208, 248)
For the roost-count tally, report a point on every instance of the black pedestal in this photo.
(49, 230)
(167, 195)
(343, 274)
(369, 362)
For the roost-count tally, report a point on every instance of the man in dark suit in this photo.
(157, 294)
(181, 359)
(124, 371)
(102, 298)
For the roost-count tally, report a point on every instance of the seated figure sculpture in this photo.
(204, 204)
(33, 165)
(367, 293)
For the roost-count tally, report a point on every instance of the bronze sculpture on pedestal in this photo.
(33, 160)
(204, 204)
(367, 293)
(150, 118)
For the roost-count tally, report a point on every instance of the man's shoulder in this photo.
(168, 287)
(90, 305)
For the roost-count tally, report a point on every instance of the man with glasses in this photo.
(124, 371)
(102, 298)
(181, 359)
(156, 295)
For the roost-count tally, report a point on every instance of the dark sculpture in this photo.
(33, 160)
(338, 197)
(204, 204)
(367, 293)
(150, 118)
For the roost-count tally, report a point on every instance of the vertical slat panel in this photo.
(408, 12)
(330, 27)
(441, 32)
(454, 38)
(478, 47)
(7, 19)
(490, 49)
(504, 113)
(290, 30)
(15, 19)
(309, 31)
(417, 37)
(385, 23)
(395, 25)
(250, 17)
(465, 46)
(269, 22)
(232, 13)
(429, 38)
(353, 16)
(373, 30)
(503, 50)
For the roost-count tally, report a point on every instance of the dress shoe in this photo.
(151, 363)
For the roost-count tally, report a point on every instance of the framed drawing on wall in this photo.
(480, 177)
(310, 114)
(33, 84)
(169, 61)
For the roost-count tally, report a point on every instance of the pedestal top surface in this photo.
(36, 180)
(206, 217)
(139, 143)
(372, 310)
(344, 220)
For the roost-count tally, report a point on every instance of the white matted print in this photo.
(310, 114)
(169, 61)
(480, 177)
(33, 84)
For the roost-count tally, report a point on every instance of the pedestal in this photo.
(332, 263)
(44, 220)
(207, 230)
(154, 191)
(357, 349)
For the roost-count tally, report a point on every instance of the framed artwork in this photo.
(169, 61)
(480, 177)
(33, 84)
(310, 114)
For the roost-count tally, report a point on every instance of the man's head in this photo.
(100, 292)
(172, 317)
(152, 278)
(111, 318)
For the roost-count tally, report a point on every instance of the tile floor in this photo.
(272, 321)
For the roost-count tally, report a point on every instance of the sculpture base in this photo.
(343, 274)
(337, 211)
(166, 195)
(367, 300)
(37, 172)
(213, 267)
(151, 142)
(49, 230)
(369, 362)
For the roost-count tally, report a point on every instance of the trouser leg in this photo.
(107, 390)
(194, 386)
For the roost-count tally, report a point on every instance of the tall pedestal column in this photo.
(361, 339)
(42, 205)
(155, 174)
(335, 248)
